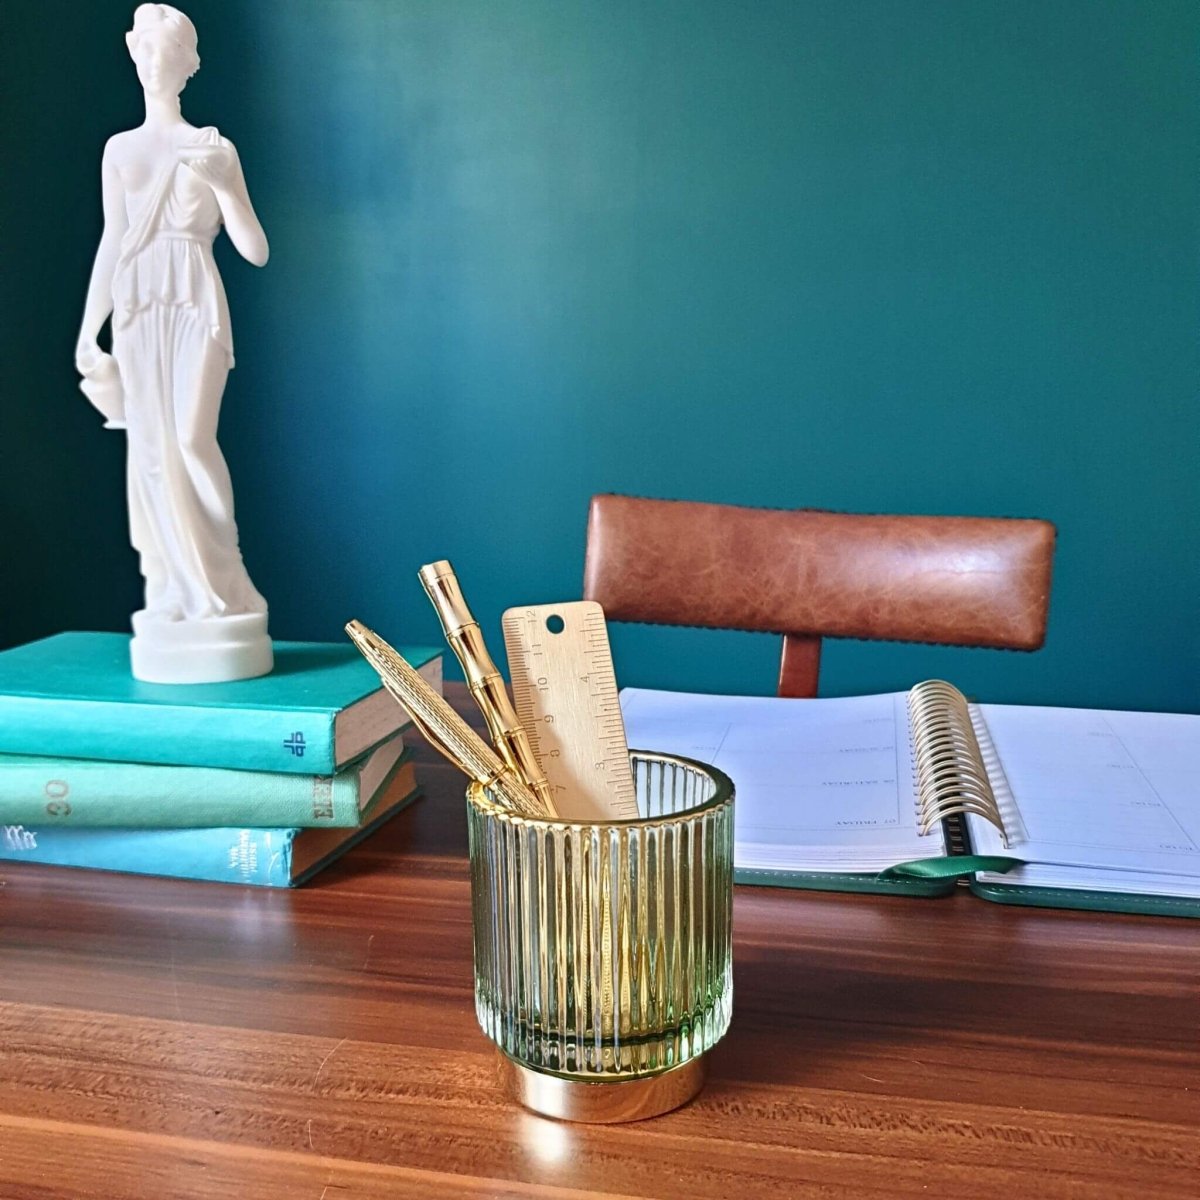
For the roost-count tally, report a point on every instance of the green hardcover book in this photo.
(80, 793)
(282, 857)
(72, 696)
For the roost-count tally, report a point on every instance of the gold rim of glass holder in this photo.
(477, 796)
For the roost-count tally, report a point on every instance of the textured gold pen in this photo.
(483, 679)
(443, 728)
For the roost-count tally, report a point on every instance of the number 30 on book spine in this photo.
(566, 696)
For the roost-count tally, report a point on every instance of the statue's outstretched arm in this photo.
(219, 166)
(99, 301)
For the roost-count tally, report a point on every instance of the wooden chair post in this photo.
(799, 666)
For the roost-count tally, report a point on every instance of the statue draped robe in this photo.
(174, 349)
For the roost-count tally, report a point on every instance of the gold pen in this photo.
(444, 729)
(483, 679)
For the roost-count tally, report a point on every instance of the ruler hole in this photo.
(555, 623)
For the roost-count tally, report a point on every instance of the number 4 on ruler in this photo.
(566, 696)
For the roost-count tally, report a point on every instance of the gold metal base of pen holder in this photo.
(632, 1099)
(603, 953)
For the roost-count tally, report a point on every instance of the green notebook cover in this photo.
(892, 883)
(922, 877)
(1088, 901)
(877, 883)
(1084, 899)
(73, 696)
(933, 877)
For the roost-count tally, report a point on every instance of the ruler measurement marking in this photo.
(581, 749)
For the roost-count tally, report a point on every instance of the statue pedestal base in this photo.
(213, 650)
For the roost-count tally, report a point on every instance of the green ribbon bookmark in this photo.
(945, 868)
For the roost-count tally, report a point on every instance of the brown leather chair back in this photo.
(966, 581)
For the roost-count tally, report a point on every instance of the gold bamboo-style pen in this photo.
(443, 728)
(484, 680)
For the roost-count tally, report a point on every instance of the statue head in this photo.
(162, 44)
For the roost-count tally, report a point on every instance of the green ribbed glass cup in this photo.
(603, 953)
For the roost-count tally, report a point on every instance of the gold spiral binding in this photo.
(951, 776)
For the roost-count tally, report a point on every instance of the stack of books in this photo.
(262, 781)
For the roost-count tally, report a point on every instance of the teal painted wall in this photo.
(935, 257)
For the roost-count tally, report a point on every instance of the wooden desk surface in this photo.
(163, 1039)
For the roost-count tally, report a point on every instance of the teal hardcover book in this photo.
(260, 857)
(73, 696)
(85, 793)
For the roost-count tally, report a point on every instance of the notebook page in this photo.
(1094, 879)
(1116, 791)
(821, 784)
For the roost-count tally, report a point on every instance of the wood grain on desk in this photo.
(168, 1039)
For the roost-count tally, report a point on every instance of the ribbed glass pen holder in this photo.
(603, 953)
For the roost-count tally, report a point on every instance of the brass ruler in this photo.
(565, 692)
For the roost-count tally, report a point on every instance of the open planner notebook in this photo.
(910, 791)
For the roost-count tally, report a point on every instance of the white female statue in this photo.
(168, 187)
